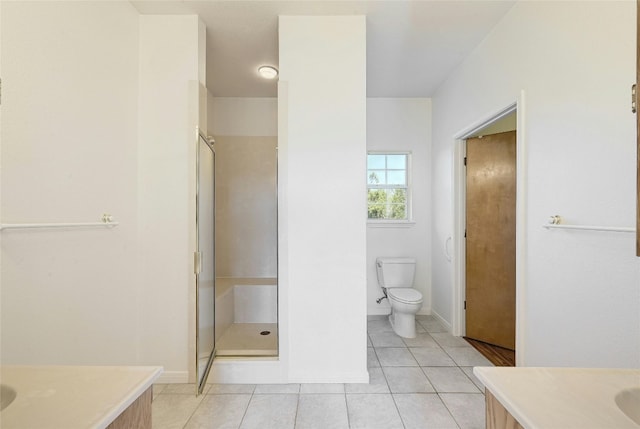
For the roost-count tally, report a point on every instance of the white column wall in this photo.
(169, 63)
(322, 154)
(575, 62)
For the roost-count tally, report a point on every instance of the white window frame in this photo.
(392, 222)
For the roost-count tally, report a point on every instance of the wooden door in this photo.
(491, 239)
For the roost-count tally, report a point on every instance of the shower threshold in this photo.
(249, 339)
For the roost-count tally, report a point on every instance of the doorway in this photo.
(507, 119)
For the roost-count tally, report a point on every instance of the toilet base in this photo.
(403, 324)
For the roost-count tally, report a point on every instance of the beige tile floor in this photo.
(420, 383)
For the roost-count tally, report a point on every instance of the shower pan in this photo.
(246, 317)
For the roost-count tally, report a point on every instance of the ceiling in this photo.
(412, 46)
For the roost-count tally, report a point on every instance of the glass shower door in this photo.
(205, 259)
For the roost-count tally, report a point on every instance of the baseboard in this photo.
(440, 319)
(424, 311)
(385, 311)
(173, 377)
(371, 317)
(379, 311)
(314, 377)
(247, 371)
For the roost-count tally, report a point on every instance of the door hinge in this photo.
(197, 262)
(465, 233)
(634, 99)
(465, 161)
(465, 305)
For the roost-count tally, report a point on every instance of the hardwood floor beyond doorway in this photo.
(498, 356)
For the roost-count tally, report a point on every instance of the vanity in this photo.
(544, 398)
(71, 397)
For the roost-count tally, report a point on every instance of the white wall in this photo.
(69, 132)
(95, 121)
(575, 62)
(402, 124)
(169, 63)
(245, 130)
(248, 117)
(246, 202)
(322, 161)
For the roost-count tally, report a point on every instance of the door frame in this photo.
(459, 221)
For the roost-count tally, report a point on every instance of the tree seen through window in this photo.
(387, 186)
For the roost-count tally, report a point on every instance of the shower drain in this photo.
(265, 332)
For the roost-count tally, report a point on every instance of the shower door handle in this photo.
(197, 262)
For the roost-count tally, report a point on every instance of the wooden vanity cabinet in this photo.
(497, 416)
(137, 415)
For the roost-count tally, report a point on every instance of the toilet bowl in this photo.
(405, 303)
(395, 277)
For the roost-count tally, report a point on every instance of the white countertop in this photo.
(548, 398)
(72, 396)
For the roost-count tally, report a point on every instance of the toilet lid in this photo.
(405, 294)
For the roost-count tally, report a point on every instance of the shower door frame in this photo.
(201, 379)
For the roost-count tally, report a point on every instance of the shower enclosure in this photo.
(236, 257)
(246, 246)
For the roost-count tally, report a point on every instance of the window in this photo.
(388, 194)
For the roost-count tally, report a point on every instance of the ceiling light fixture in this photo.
(268, 72)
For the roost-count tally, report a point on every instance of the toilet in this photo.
(395, 277)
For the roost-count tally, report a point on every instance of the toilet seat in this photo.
(405, 295)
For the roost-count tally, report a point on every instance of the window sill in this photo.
(391, 224)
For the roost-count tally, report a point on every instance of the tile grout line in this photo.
(194, 411)
(346, 405)
(449, 410)
(395, 404)
(247, 407)
(390, 392)
(295, 417)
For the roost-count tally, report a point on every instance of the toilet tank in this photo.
(395, 272)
